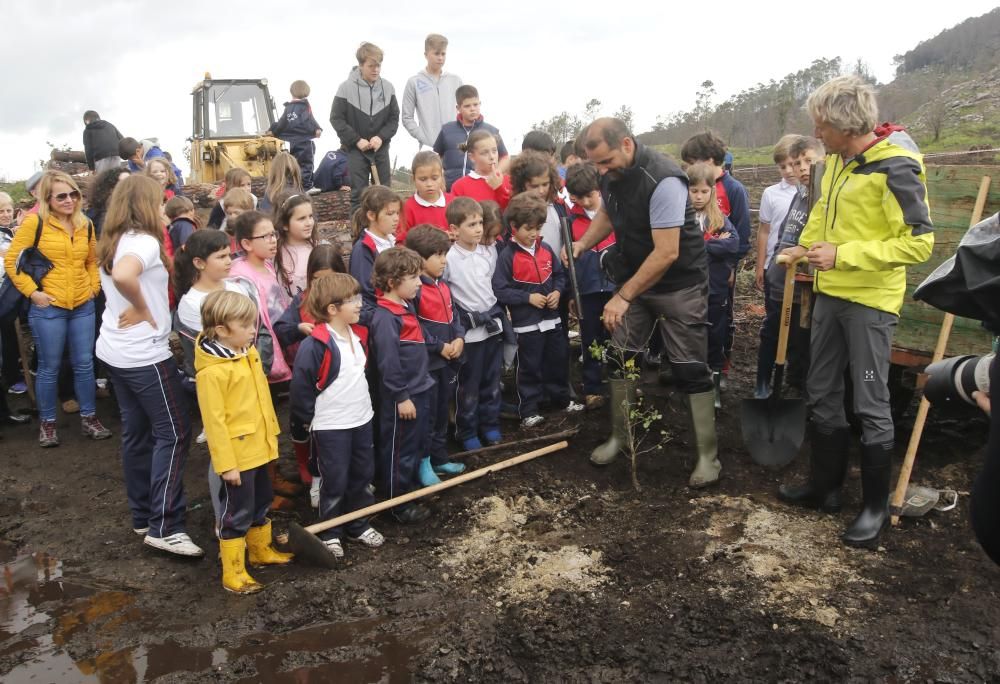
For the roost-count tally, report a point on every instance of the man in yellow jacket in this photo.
(871, 221)
(242, 431)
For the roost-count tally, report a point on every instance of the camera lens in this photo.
(955, 379)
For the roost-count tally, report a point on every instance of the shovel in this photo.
(374, 168)
(304, 543)
(774, 428)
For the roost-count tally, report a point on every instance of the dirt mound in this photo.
(504, 547)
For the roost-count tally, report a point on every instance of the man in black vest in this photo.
(661, 271)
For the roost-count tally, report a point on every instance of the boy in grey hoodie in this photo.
(429, 94)
(365, 115)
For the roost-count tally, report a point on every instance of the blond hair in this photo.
(782, 148)
(366, 50)
(435, 41)
(847, 103)
(238, 198)
(703, 172)
(227, 308)
(299, 89)
(44, 189)
(162, 161)
(284, 174)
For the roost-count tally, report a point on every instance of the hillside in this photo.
(946, 91)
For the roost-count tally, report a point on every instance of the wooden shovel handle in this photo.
(427, 491)
(906, 470)
(787, 299)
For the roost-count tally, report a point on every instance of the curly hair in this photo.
(532, 164)
(392, 265)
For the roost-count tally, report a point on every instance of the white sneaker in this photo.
(574, 407)
(141, 531)
(532, 421)
(314, 492)
(313, 191)
(335, 547)
(178, 544)
(201, 438)
(371, 538)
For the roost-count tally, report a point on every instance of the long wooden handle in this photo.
(906, 470)
(427, 491)
(786, 305)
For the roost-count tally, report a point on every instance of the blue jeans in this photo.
(53, 327)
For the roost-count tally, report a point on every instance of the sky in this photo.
(136, 61)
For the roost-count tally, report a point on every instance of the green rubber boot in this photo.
(622, 401)
(703, 419)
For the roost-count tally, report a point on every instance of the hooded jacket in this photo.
(364, 110)
(297, 123)
(100, 141)
(236, 408)
(874, 209)
(432, 100)
(452, 134)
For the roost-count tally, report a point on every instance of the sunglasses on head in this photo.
(63, 196)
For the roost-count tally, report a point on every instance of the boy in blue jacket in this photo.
(445, 339)
(297, 126)
(404, 396)
(329, 393)
(453, 133)
(529, 280)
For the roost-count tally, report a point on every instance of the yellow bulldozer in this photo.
(230, 119)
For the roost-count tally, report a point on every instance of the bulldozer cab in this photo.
(230, 118)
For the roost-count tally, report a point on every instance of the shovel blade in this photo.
(309, 548)
(773, 430)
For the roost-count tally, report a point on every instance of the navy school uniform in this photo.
(542, 349)
(362, 264)
(440, 325)
(596, 289)
(401, 356)
(345, 459)
(721, 255)
(297, 126)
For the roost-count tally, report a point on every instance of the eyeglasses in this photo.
(267, 236)
(63, 196)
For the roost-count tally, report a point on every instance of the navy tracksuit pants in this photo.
(156, 434)
(478, 390)
(304, 152)
(592, 330)
(402, 444)
(346, 462)
(542, 369)
(245, 506)
(440, 396)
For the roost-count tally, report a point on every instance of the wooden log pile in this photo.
(327, 206)
(337, 233)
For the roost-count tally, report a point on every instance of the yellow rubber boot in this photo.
(261, 552)
(234, 573)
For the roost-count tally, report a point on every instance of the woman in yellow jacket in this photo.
(242, 431)
(62, 309)
(871, 222)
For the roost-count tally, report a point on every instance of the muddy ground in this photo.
(553, 571)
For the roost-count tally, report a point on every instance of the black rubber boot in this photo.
(827, 469)
(876, 467)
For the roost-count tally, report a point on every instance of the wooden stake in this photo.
(565, 434)
(906, 470)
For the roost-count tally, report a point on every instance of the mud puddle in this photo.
(52, 625)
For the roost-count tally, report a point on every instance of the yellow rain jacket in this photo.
(874, 209)
(236, 408)
(74, 279)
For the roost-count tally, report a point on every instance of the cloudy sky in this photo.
(135, 61)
